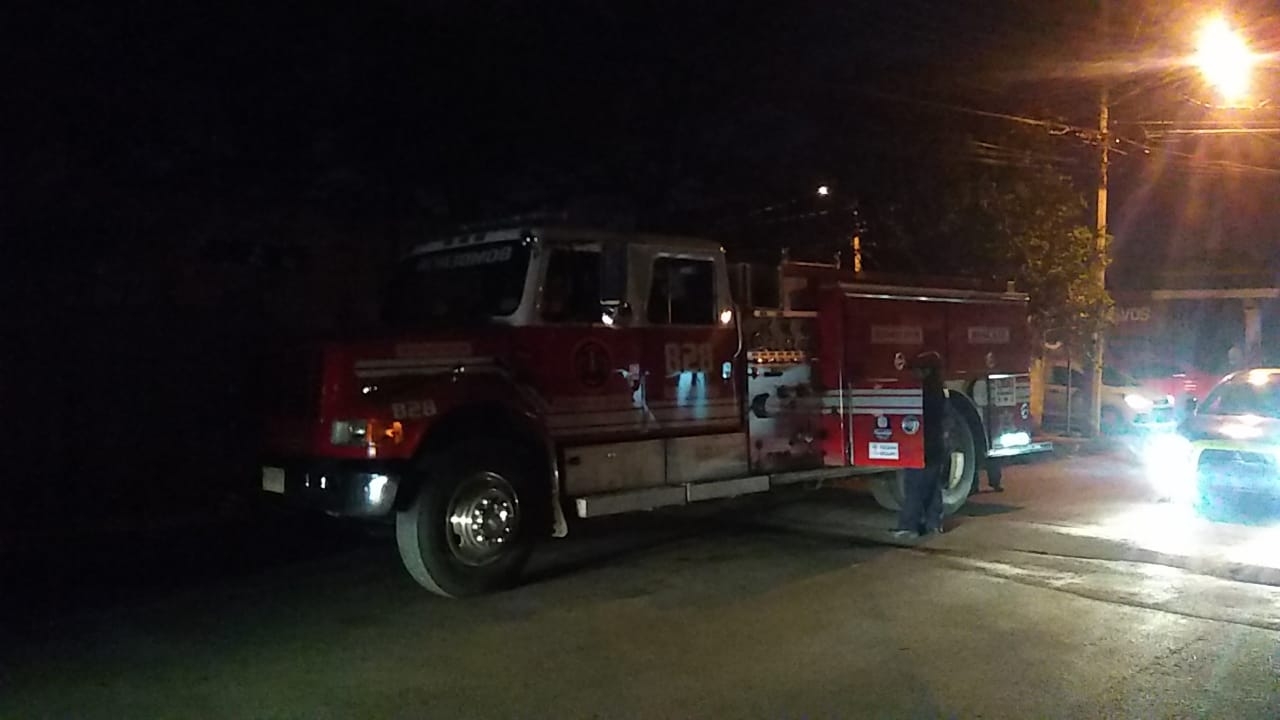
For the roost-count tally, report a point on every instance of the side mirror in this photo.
(615, 314)
(613, 273)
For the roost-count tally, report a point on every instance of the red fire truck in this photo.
(534, 374)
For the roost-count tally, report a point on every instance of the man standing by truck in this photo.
(921, 512)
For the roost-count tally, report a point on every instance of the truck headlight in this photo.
(1168, 461)
(349, 432)
(1012, 439)
(1138, 402)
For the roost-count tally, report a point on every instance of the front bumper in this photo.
(344, 488)
(1237, 468)
(1194, 471)
(1019, 450)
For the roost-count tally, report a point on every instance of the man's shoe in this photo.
(905, 534)
(997, 488)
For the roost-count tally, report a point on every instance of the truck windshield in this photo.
(458, 286)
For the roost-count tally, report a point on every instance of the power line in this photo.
(1059, 128)
(1054, 126)
(1203, 164)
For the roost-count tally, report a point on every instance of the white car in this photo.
(1126, 405)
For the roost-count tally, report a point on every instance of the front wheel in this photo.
(466, 532)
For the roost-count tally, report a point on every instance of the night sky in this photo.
(186, 183)
(142, 122)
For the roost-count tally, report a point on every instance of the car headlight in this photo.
(1138, 402)
(1168, 461)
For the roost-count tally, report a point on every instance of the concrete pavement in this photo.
(712, 615)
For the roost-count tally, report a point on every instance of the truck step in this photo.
(655, 497)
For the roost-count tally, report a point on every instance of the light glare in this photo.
(1138, 402)
(1224, 59)
(1013, 439)
(375, 489)
(1169, 466)
(1259, 378)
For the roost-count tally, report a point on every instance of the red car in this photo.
(1177, 381)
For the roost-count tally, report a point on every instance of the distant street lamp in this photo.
(1224, 59)
(823, 190)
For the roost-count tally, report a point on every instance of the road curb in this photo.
(1114, 550)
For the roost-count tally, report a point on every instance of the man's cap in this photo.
(928, 360)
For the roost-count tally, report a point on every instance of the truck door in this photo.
(690, 340)
(882, 337)
(586, 370)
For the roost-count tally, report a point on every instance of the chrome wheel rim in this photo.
(483, 519)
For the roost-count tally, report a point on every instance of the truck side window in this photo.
(683, 292)
(571, 293)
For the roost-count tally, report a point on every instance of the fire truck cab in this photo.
(533, 374)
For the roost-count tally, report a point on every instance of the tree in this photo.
(1004, 210)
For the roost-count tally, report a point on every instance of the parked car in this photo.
(1185, 385)
(1228, 448)
(1126, 405)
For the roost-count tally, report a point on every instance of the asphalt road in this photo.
(1070, 595)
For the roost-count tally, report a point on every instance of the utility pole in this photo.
(1100, 259)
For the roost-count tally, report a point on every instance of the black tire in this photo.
(889, 491)
(469, 530)
(958, 485)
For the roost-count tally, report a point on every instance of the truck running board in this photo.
(666, 496)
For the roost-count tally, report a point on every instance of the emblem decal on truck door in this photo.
(882, 431)
(591, 363)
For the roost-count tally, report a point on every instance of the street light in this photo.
(1224, 59)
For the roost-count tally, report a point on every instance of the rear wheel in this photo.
(958, 475)
(962, 466)
(467, 531)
